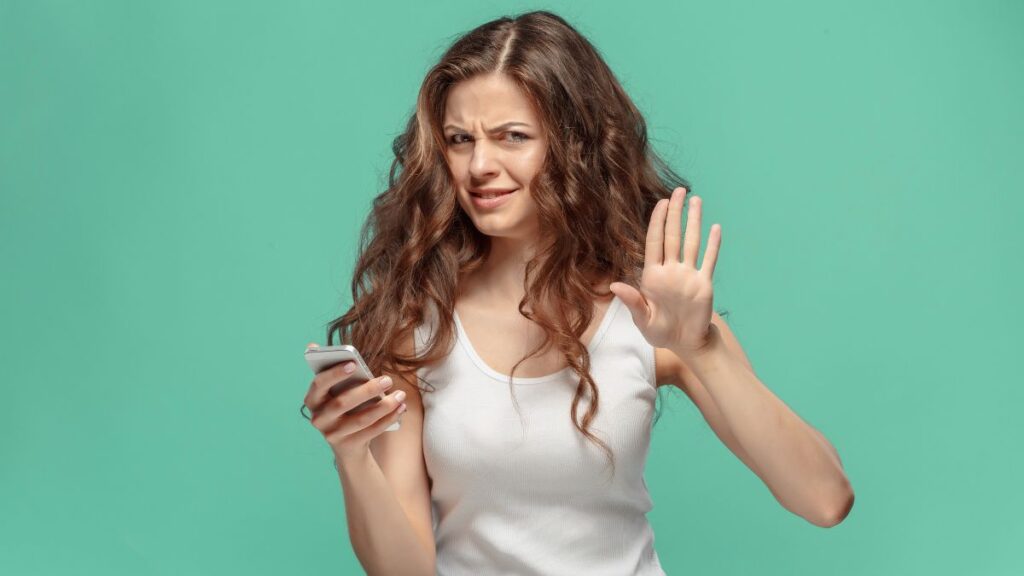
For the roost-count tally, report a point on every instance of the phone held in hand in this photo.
(322, 358)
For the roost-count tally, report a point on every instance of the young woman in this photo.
(530, 236)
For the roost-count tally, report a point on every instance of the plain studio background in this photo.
(182, 184)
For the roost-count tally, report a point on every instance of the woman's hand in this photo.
(673, 306)
(349, 432)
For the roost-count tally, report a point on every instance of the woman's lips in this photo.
(493, 193)
(481, 202)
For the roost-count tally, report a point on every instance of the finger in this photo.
(323, 381)
(634, 301)
(673, 228)
(353, 423)
(655, 234)
(691, 247)
(366, 393)
(379, 427)
(337, 414)
(711, 252)
(352, 401)
(334, 381)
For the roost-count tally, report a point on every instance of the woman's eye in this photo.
(514, 137)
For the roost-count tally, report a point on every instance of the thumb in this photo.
(633, 300)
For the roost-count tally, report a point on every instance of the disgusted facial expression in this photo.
(495, 146)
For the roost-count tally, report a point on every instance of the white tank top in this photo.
(532, 495)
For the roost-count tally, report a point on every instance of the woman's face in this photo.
(494, 144)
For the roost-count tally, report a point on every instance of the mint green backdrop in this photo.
(182, 185)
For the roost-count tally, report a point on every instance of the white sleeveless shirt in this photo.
(532, 495)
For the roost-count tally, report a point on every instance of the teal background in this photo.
(181, 185)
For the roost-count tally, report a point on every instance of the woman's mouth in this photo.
(491, 199)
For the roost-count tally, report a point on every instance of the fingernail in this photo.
(385, 382)
(350, 367)
(402, 408)
(400, 395)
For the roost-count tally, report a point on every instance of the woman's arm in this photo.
(796, 462)
(387, 496)
(382, 534)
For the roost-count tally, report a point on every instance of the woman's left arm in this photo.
(672, 307)
(796, 462)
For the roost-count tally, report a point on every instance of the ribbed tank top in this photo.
(524, 492)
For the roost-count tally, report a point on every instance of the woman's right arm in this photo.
(387, 498)
(383, 476)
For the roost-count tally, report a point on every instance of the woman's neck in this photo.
(503, 272)
(501, 277)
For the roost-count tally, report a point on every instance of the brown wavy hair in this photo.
(595, 193)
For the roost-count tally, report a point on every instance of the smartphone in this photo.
(322, 358)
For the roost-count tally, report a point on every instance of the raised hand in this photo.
(673, 305)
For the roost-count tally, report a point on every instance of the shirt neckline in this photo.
(595, 340)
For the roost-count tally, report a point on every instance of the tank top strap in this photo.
(625, 337)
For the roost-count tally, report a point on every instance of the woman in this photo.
(525, 211)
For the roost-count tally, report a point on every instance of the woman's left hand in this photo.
(673, 306)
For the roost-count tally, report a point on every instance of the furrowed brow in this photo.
(494, 130)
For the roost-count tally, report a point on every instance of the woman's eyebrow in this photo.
(504, 126)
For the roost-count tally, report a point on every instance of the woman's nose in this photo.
(484, 161)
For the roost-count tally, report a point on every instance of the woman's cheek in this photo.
(465, 205)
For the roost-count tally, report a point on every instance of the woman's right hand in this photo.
(350, 434)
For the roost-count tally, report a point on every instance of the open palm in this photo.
(673, 305)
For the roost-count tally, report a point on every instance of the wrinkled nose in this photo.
(484, 163)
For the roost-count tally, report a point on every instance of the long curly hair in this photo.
(595, 193)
